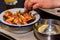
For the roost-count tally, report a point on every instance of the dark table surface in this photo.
(20, 4)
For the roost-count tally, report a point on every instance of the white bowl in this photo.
(19, 26)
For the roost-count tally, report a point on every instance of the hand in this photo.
(41, 4)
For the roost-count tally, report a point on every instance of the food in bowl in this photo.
(33, 14)
(18, 18)
(42, 28)
(45, 28)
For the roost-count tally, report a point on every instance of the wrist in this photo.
(56, 3)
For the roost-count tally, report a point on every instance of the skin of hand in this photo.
(41, 4)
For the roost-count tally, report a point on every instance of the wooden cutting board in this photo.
(55, 11)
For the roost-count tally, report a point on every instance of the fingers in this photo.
(29, 3)
(38, 3)
(35, 6)
(25, 4)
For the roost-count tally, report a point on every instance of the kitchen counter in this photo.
(53, 11)
(26, 36)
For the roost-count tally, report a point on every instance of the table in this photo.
(26, 36)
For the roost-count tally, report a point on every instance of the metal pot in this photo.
(47, 29)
